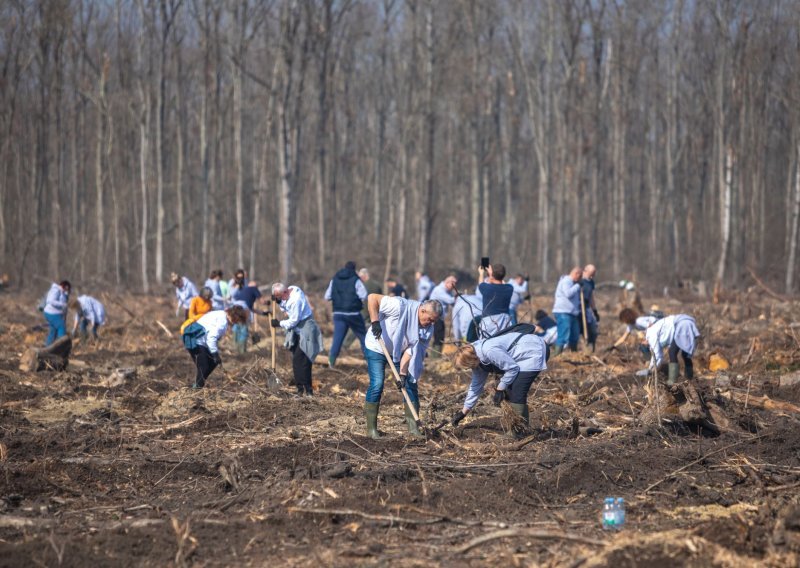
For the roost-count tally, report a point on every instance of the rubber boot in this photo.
(688, 368)
(557, 349)
(672, 373)
(520, 410)
(413, 429)
(371, 414)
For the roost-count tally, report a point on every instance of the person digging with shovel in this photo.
(403, 328)
(519, 357)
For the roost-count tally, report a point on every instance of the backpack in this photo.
(522, 329)
(192, 334)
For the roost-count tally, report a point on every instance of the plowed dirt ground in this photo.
(101, 470)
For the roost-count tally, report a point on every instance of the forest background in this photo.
(656, 138)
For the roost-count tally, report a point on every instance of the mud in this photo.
(98, 469)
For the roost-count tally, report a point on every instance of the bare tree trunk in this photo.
(144, 127)
(98, 164)
(726, 192)
(430, 123)
(792, 256)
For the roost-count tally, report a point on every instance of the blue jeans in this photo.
(84, 325)
(569, 330)
(376, 367)
(513, 313)
(58, 327)
(341, 323)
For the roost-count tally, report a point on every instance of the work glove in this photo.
(457, 417)
(256, 337)
(275, 299)
(274, 323)
(375, 327)
(216, 358)
(499, 396)
(596, 314)
(401, 382)
(527, 278)
(527, 298)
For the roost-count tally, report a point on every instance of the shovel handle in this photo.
(397, 377)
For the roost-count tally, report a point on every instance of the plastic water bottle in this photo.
(613, 513)
(620, 513)
(609, 515)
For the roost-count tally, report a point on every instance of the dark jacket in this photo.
(343, 291)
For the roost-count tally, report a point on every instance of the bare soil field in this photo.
(103, 467)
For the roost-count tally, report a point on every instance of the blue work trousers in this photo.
(341, 323)
(58, 327)
(569, 330)
(376, 367)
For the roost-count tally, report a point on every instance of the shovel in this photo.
(402, 390)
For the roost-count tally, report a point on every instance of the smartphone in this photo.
(484, 262)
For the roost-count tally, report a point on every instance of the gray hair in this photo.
(363, 272)
(433, 307)
(278, 288)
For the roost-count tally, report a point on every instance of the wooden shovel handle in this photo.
(397, 377)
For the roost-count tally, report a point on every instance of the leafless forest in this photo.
(141, 137)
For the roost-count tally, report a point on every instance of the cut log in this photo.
(54, 357)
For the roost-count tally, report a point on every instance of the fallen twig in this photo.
(698, 460)
(165, 328)
(529, 533)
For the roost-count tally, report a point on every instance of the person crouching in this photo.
(202, 338)
(519, 357)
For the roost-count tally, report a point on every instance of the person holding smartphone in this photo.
(496, 296)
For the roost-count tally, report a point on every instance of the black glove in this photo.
(275, 323)
(376, 329)
(266, 313)
(528, 297)
(596, 315)
(527, 278)
(275, 299)
(499, 396)
(457, 417)
(401, 382)
(216, 358)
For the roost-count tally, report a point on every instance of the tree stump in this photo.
(54, 357)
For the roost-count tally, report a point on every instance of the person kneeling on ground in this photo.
(88, 312)
(303, 337)
(405, 328)
(201, 339)
(520, 357)
(677, 333)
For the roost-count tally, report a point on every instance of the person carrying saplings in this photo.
(678, 334)
(519, 357)
(201, 339)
